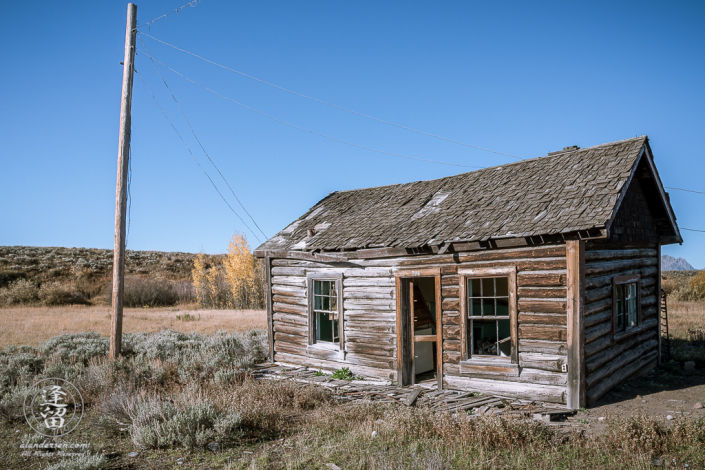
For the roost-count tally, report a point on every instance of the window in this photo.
(488, 316)
(325, 310)
(488, 305)
(626, 304)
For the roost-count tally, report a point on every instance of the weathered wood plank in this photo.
(290, 300)
(545, 362)
(367, 295)
(595, 332)
(332, 365)
(547, 393)
(542, 305)
(594, 307)
(293, 319)
(451, 345)
(543, 292)
(288, 328)
(450, 291)
(290, 291)
(649, 361)
(603, 255)
(289, 308)
(595, 269)
(543, 347)
(538, 279)
(545, 333)
(289, 281)
(451, 332)
(593, 295)
(608, 354)
(368, 282)
(451, 318)
(601, 281)
(288, 272)
(451, 304)
(543, 319)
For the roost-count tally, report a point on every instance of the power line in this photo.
(691, 229)
(310, 131)
(686, 190)
(199, 141)
(194, 157)
(190, 4)
(331, 104)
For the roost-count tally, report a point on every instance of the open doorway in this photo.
(419, 322)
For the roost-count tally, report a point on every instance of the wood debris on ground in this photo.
(423, 394)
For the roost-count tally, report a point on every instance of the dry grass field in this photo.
(31, 325)
(684, 316)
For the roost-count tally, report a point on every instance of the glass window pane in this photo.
(502, 287)
(487, 339)
(316, 287)
(325, 287)
(317, 305)
(334, 303)
(325, 328)
(475, 308)
(325, 303)
(336, 331)
(504, 338)
(487, 307)
(618, 294)
(502, 307)
(474, 288)
(333, 288)
(488, 288)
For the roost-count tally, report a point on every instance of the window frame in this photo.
(338, 279)
(623, 280)
(466, 357)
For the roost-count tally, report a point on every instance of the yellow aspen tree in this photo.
(239, 271)
(198, 278)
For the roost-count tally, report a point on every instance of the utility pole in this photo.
(121, 187)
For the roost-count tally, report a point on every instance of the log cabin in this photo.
(538, 279)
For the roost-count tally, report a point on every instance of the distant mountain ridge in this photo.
(669, 263)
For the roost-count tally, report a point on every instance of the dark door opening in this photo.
(419, 358)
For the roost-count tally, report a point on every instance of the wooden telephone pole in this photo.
(121, 187)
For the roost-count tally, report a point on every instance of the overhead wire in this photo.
(309, 130)
(194, 157)
(199, 141)
(686, 190)
(330, 104)
(149, 23)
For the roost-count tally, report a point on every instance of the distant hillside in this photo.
(50, 263)
(669, 263)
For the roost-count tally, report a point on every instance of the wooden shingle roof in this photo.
(568, 192)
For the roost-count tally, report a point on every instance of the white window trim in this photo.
(325, 276)
(477, 363)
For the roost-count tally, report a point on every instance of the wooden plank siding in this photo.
(610, 361)
(542, 330)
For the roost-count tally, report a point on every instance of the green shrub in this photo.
(86, 461)
(693, 291)
(56, 293)
(158, 424)
(21, 291)
(146, 292)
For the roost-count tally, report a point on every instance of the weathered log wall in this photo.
(541, 310)
(610, 361)
(370, 318)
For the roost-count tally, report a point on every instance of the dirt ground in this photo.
(668, 390)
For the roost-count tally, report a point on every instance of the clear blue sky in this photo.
(523, 78)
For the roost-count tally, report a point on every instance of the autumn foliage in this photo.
(238, 282)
